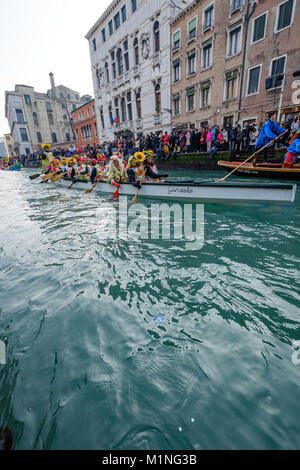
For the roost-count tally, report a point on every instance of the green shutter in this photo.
(205, 87)
(259, 28)
(176, 37)
(192, 25)
(190, 93)
(231, 77)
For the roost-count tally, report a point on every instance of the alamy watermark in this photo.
(296, 93)
(182, 222)
(296, 354)
(2, 353)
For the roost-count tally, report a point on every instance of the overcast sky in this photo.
(42, 36)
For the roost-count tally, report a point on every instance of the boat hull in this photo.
(199, 192)
(263, 171)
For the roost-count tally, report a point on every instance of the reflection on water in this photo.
(89, 364)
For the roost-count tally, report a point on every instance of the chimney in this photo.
(52, 85)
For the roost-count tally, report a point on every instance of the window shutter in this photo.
(190, 92)
(176, 37)
(192, 25)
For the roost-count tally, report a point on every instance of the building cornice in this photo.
(103, 18)
(183, 13)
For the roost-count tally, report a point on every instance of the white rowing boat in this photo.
(199, 192)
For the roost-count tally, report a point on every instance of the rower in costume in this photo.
(293, 151)
(135, 170)
(46, 158)
(115, 173)
(269, 132)
(151, 168)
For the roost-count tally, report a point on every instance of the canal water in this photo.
(115, 344)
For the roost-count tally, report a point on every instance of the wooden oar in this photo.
(47, 177)
(33, 177)
(56, 178)
(89, 191)
(252, 156)
(137, 193)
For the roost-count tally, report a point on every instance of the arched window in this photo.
(39, 137)
(157, 99)
(156, 36)
(35, 119)
(106, 72)
(120, 61)
(50, 118)
(123, 110)
(136, 51)
(68, 137)
(102, 120)
(54, 139)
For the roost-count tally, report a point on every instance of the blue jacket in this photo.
(269, 131)
(295, 147)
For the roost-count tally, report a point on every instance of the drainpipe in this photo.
(247, 21)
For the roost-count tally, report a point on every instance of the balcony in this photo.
(236, 5)
(176, 47)
(136, 70)
(157, 118)
(156, 59)
(192, 35)
(207, 26)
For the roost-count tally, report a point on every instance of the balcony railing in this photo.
(192, 35)
(236, 5)
(208, 25)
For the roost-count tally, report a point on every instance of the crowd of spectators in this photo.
(232, 137)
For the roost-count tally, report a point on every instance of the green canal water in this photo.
(114, 344)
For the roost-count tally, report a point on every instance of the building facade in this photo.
(9, 145)
(130, 60)
(3, 152)
(222, 53)
(206, 58)
(85, 125)
(273, 54)
(35, 118)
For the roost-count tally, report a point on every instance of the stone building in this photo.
(206, 58)
(85, 125)
(130, 60)
(273, 54)
(9, 145)
(223, 53)
(35, 118)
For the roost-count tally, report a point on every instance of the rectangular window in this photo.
(111, 28)
(74, 107)
(176, 40)
(207, 56)
(259, 27)
(48, 106)
(103, 35)
(231, 85)
(192, 63)
(190, 100)
(234, 42)
(88, 111)
(24, 135)
(284, 15)
(176, 103)
(253, 85)
(133, 5)
(123, 12)
(95, 129)
(205, 95)
(117, 20)
(27, 99)
(20, 117)
(61, 95)
(192, 29)
(94, 44)
(68, 96)
(129, 106)
(176, 70)
(277, 71)
(208, 18)
(236, 5)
